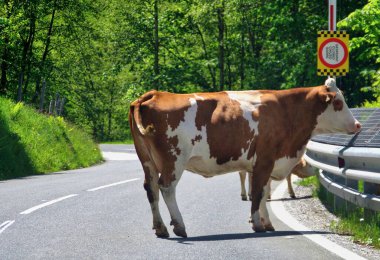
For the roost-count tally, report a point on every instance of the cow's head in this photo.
(336, 118)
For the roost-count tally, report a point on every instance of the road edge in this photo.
(280, 212)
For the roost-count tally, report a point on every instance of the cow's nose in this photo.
(358, 126)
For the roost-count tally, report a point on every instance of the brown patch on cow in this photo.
(228, 132)
(289, 115)
(338, 105)
(197, 138)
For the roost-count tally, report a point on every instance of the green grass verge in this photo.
(33, 143)
(362, 225)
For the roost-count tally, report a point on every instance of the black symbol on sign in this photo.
(332, 52)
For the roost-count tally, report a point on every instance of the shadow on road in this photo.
(287, 199)
(222, 237)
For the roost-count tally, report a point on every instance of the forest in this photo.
(99, 55)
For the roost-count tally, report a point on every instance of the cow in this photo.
(260, 131)
(302, 170)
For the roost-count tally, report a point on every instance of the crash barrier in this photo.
(349, 166)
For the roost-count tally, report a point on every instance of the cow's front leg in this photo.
(264, 210)
(260, 177)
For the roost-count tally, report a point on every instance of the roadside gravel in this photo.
(313, 214)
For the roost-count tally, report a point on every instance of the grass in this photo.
(33, 143)
(311, 181)
(362, 225)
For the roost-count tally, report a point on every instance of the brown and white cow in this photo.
(302, 170)
(264, 132)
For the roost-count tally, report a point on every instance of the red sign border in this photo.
(344, 57)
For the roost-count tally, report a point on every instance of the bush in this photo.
(33, 143)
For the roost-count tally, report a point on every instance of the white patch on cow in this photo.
(283, 166)
(256, 220)
(263, 205)
(198, 97)
(194, 149)
(249, 102)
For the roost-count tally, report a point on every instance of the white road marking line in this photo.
(119, 156)
(28, 211)
(6, 225)
(113, 184)
(279, 210)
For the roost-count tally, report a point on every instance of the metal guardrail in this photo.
(341, 168)
(346, 160)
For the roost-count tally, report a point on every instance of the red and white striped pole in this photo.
(332, 15)
(332, 18)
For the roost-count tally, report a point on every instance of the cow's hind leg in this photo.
(169, 195)
(243, 192)
(290, 187)
(152, 190)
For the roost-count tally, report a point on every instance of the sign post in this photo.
(332, 15)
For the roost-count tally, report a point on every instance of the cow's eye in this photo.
(338, 104)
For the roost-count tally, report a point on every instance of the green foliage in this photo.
(364, 230)
(372, 104)
(364, 27)
(311, 182)
(100, 55)
(33, 143)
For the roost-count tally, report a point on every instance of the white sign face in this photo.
(333, 53)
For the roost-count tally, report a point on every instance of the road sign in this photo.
(333, 58)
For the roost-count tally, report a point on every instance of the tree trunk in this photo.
(220, 12)
(228, 60)
(210, 69)
(4, 57)
(44, 55)
(242, 56)
(156, 48)
(4, 68)
(110, 110)
(25, 61)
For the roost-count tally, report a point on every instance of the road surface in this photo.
(102, 212)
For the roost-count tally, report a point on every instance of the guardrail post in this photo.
(353, 184)
(339, 203)
(370, 188)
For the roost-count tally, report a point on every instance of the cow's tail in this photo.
(135, 114)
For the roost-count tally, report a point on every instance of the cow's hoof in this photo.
(292, 196)
(162, 232)
(258, 229)
(269, 227)
(243, 197)
(180, 231)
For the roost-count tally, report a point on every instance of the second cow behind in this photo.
(302, 170)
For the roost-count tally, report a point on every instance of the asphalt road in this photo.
(102, 212)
